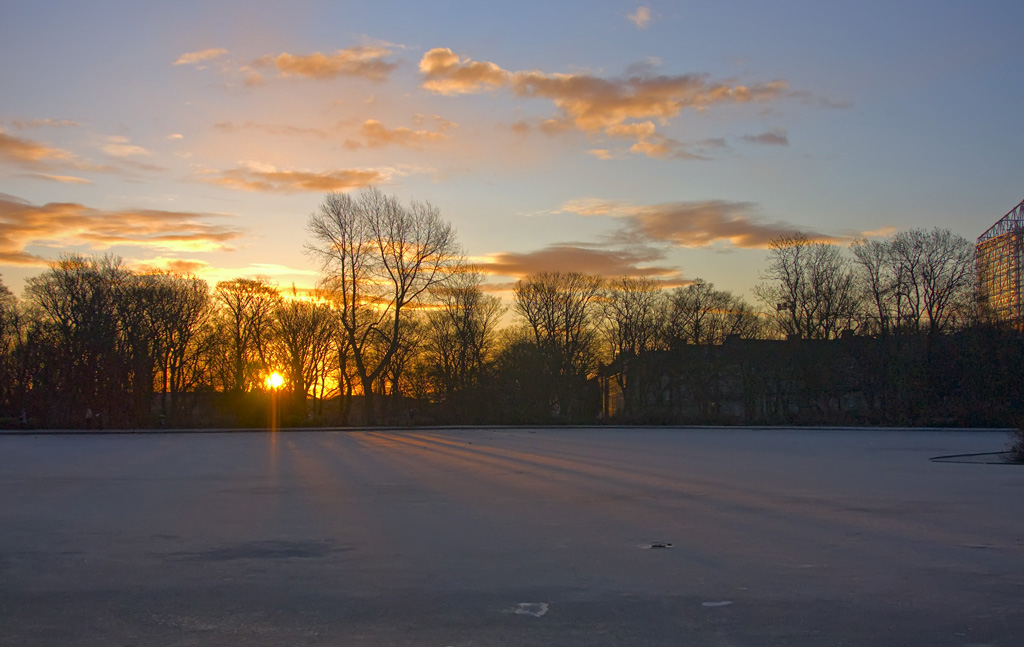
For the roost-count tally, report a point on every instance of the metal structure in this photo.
(1000, 265)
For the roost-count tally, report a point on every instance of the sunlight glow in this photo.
(274, 381)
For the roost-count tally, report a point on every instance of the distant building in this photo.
(999, 264)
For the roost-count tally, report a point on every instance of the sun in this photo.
(274, 381)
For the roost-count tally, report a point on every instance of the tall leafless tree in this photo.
(303, 332)
(177, 309)
(876, 279)
(935, 278)
(561, 314)
(8, 343)
(700, 314)
(246, 309)
(810, 288)
(460, 333)
(633, 311)
(378, 258)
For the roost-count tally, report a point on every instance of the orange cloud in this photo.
(363, 61)
(617, 107)
(177, 265)
(192, 58)
(26, 151)
(68, 179)
(664, 148)
(119, 146)
(377, 135)
(596, 104)
(642, 17)
(441, 124)
(692, 224)
(881, 232)
(549, 127)
(23, 224)
(577, 258)
(251, 78)
(698, 224)
(661, 147)
(50, 163)
(635, 130)
(271, 180)
(47, 161)
(446, 73)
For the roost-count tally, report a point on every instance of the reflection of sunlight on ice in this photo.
(273, 455)
(273, 383)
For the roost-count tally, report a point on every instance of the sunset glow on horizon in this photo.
(672, 140)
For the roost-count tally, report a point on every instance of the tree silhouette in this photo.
(378, 258)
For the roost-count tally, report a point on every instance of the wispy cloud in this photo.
(625, 107)
(773, 137)
(21, 124)
(59, 225)
(45, 162)
(376, 135)
(367, 61)
(26, 151)
(881, 232)
(266, 178)
(193, 58)
(51, 163)
(272, 129)
(692, 224)
(120, 146)
(641, 17)
(550, 127)
(595, 103)
(568, 257)
(67, 179)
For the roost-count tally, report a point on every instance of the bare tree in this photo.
(699, 314)
(177, 310)
(8, 342)
(303, 331)
(409, 347)
(460, 334)
(246, 310)
(811, 288)
(77, 300)
(634, 310)
(559, 311)
(633, 315)
(934, 272)
(917, 281)
(876, 280)
(378, 258)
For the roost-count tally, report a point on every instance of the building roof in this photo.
(1012, 221)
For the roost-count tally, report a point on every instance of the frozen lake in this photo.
(511, 537)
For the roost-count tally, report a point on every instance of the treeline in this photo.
(401, 330)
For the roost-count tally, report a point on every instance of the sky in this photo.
(663, 139)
